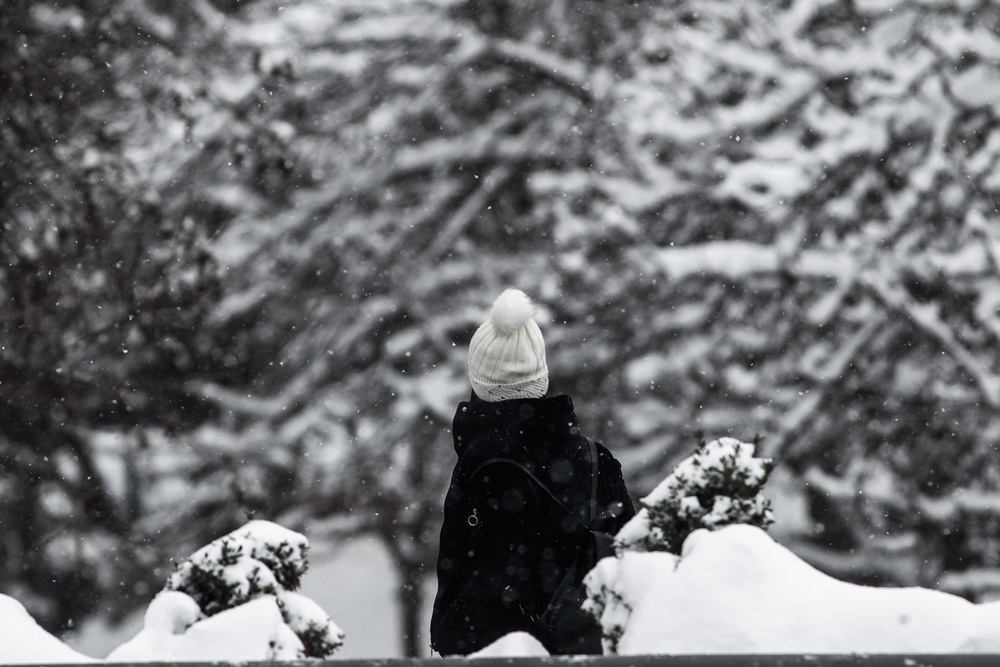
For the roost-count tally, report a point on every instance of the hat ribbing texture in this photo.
(507, 352)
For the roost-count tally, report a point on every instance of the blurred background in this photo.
(244, 244)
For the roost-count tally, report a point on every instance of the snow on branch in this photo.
(961, 501)
(393, 22)
(267, 406)
(739, 260)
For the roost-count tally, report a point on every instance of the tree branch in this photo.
(926, 317)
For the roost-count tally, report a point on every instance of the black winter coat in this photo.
(495, 575)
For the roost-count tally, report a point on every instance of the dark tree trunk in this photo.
(411, 604)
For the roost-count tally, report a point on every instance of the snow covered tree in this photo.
(719, 485)
(814, 220)
(106, 284)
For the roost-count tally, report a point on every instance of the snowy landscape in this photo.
(244, 245)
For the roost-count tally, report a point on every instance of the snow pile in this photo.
(513, 645)
(737, 591)
(24, 642)
(172, 632)
(234, 599)
(719, 485)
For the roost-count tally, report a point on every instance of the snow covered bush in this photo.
(237, 592)
(719, 485)
(259, 558)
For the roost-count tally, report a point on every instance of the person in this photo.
(519, 507)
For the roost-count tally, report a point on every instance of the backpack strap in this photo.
(591, 506)
(592, 519)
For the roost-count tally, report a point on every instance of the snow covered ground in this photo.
(23, 641)
(731, 590)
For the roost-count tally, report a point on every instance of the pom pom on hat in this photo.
(507, 352)
(511, 311)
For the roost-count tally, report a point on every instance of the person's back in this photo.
(518, 509)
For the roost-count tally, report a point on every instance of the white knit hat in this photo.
(507, 352)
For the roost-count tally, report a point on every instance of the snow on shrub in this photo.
(719, 485)
(259, 560)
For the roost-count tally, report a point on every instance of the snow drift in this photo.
(735, 590)
(25, 642)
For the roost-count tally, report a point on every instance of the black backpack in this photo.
(563, 627)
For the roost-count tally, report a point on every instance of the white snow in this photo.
(735, 590)
(252, 631)
(24, 642)
(514, 645)
(301, 614)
